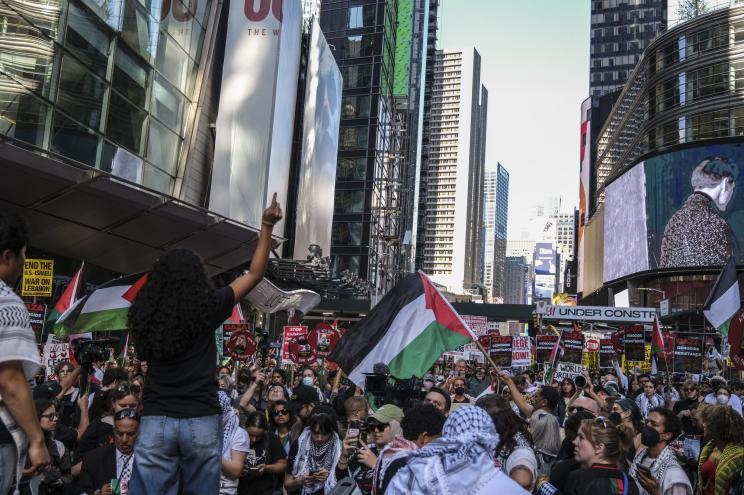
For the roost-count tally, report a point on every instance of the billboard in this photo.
(544, 258)
(585, 161)
(257, 99)
(317, 179)
(674, 210)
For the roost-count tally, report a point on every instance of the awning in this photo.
(86, 214)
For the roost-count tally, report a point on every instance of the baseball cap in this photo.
(48, 390)
(301, 396)
(429, 378)
(388, 413)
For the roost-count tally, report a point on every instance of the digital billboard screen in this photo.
(675, 210)
(544, 258)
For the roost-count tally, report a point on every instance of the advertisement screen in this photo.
(544, 258)
(544, 286)
(687, 204)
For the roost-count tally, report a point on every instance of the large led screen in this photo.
(685, 202)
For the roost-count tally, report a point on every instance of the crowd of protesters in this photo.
(168, 421)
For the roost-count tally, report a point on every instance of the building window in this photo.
(87, 40)
(343, 263)
(347, 233)
(131, 77)
(126, 123)
(73, 141)
(21, 115)
(353, 138)
(349, 202)
(80, 93)
(356, 76)
(355, 107)
(351, 168)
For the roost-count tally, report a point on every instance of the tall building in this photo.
(488, 240)
(620, 31)
(502, 220)
(367, 210)
(516, 276)
(452, 193)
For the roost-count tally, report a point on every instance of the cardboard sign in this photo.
(37, 315)
(301, 352)
(241, 345)
(501, 350)
(688, 355)
(323, 338)
(478, 324)
(521, 351)
(573, 347)
(291, 332)
(37, 278)
(606, 353)
(634, 341)
(228, 329)
(567, 370)
(55, 351)
(545, 344)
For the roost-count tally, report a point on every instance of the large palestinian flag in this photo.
(724, 300)
(105, 308)
(407, 330)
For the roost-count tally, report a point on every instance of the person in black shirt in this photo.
(265, 463)
(693, 432)
(171, 323)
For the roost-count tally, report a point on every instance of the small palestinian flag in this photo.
(724, 300)
(105, 308)
(555, 357)
(407, 330)
(68, 297)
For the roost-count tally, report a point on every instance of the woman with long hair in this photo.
(281, 421)
(54, 479)
(649, 399)
(722, 458)
(266, 462)
(567, 391)
(172, 324)
(515, 454)
(313, 457)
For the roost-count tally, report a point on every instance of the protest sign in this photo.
(55, 351)
(567, 370)
(606, 353)
(501, 350)
(291, 332)
(478, 324)
(520, 351)
(688, 355)
(300, 351)
(323, 338)
(37, 315)
(545, 344)
(241, 345)
(634, 342)
(573, 347)
(228, 329)
(37, 278)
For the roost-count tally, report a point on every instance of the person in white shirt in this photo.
(235, 446)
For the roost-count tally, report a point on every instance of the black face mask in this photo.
(616, 418)
(459, 390)
(649, 436)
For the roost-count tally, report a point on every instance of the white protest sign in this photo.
(55, 351)
(567, 370)
(520, 351)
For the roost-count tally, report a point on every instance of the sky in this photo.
(535, 65)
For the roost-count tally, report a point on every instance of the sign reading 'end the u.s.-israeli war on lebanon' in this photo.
(596, 313)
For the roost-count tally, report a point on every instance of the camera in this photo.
(401, 392)
(88, 351)
(580, 381)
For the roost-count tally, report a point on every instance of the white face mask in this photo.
(722, 399)
(307, 380)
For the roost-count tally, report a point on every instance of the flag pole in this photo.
(488, 358)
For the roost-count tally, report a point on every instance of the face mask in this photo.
(428, 385)
(722, 399)
(459, 390)
(307, 380)
(649, 436)
(615, 417)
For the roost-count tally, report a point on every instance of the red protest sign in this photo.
(241, 345)
(300, 351)
(291, 332)
(323, 339)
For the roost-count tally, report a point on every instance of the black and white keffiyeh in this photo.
(312, 458)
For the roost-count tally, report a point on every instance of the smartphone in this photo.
(354, 428)
(644, 469)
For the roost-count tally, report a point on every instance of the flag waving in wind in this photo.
(724, 300)
(407, 330)
(68, 297)
(104, 308)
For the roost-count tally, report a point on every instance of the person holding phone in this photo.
(266, 460)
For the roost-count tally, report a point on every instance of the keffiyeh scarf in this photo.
(458, 463)
(646, 404)
(230, 421)
(658, 467)
(312, 458)
(398, 448)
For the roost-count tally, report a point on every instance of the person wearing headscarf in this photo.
(313, 457)
(458, 463)
(235, 446)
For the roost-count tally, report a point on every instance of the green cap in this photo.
(388, 413)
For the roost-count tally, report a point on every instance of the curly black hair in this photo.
(422, 418)
(174, 307)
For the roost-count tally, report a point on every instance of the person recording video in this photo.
(171, 323)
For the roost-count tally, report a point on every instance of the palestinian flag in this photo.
(68, 297)
(407, 330)
(105, 308)
(724, 301)
(555, 357)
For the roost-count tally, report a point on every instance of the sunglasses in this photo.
(376, 427)
(128, 388)
(575, 409)
(601, 421)
(127, 414)
(280, 412)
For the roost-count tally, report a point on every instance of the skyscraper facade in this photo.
(502, 217)
(454, 172)
(367, 210)
(516, 275)
(488, 240)
(620, 31)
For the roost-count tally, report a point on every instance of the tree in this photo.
(689, 9)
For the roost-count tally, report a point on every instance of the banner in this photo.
(501, 350)
(573, 347)
(544, 346)
(521, 351)
(37, 278)
(567, 370)
(634, 342)
(596, 313)
(37, 315)
(291, 333)
(688, 355)
(606, 353)
(55, 351)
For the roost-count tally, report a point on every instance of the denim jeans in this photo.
(8, 467)
(177, 456)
